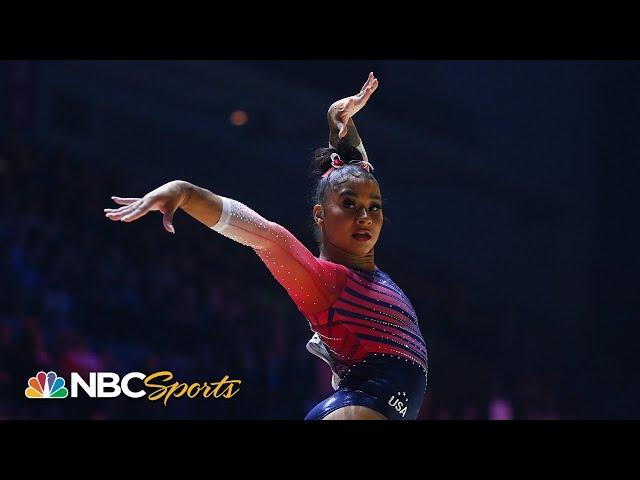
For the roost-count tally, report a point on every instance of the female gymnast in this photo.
(364, 326)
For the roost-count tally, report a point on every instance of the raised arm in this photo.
(312, 283)
(340, 117)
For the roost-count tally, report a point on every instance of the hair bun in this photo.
(323, 157)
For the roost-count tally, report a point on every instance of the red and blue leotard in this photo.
(365, 327)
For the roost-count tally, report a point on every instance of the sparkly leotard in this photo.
(365, 326)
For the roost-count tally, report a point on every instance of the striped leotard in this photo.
(365, 326)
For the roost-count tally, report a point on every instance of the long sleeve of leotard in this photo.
(313, 284)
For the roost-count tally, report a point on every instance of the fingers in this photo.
(372, 82)
(117, 213)
(128, 213)
(167, 221)
(135, 208)
(363, 97)
(140, 211)
(374, 85)
(369, 88)
(124, 201)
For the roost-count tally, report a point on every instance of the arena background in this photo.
(510, 224)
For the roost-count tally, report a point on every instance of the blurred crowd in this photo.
(79, 293)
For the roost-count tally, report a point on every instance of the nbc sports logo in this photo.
(46, 385)
(110, 385)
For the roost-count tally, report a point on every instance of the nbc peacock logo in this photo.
(46, 385)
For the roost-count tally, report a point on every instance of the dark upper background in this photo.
(510, 188)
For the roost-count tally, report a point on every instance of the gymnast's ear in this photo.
(318, 214)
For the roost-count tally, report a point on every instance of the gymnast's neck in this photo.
(334, 254)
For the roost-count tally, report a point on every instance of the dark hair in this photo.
(321, 163)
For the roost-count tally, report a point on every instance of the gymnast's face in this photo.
(351, 216)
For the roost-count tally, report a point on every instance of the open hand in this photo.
(347, 107)
(165, 199)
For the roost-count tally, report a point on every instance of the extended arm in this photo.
(312, 283)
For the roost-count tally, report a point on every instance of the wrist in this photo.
(334, 110)
(186, 190)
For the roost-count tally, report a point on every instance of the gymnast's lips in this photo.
(362, 235)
